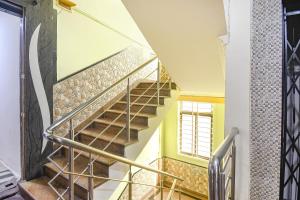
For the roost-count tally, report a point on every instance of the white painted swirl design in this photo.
(38, 82)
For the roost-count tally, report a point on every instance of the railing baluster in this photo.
(71, 162)
(222, 190)
(130, 183)
(180, 192)
(128, 109)
(233, 157)
(172, 189)
(90, 179)
(158, 82)
(161, 187)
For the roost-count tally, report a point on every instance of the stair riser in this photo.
(135, 108)
(123, 118)
(115, 130)
(162, 85)
(150, 92)
(150, 100)
(114, 148)
(101, 168)
(79, 191)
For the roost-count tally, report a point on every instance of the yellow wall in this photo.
(169, 139)
(82, 42)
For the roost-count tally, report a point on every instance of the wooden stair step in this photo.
(154, 85)
(121, 124)
(140, 104)
(136, 107)
(150, 91)
(39, 189)
(121, 116)
(93, 132)
(144, 99)
(149, 96)
(98, 159)
(140, 114)
(81, 186)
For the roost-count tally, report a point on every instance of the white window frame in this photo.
(195, 133)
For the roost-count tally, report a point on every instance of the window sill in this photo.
(193, 160)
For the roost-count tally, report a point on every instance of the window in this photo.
(195, 129)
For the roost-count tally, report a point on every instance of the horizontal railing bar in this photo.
(117, 135)
(99, 136)
(78, 145)
(77, 110)
(117, 180)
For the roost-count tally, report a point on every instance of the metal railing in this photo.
(221, 169)
(68, 139)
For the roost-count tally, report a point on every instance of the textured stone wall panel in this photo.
(195, 177)
(79, 88)
(266, 99)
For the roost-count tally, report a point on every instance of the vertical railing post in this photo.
(180, 192)
(222, 186)
(233, 160)
(161, 187)
(128, 110)
(90, 179)
(158, 82)
(130, 183)
(71, 162)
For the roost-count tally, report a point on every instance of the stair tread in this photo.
(121, 124)
(39, 189)
(148, 88)
(141, 114)
(148, 96)
(100, 159)
(140, 104)
(78, 168)
(94, 132)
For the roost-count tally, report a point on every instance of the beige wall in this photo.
(82, 41)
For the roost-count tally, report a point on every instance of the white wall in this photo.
(10, 91)
(237, 89)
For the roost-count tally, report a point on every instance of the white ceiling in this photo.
(184, 34)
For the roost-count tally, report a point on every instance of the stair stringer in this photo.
(111, 190)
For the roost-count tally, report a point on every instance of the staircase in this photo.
(107, 131)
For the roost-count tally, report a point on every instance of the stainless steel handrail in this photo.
(92, 150)
(72, 144)
(217, 167)
(81, 107)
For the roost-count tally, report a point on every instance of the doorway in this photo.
(11, 58)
